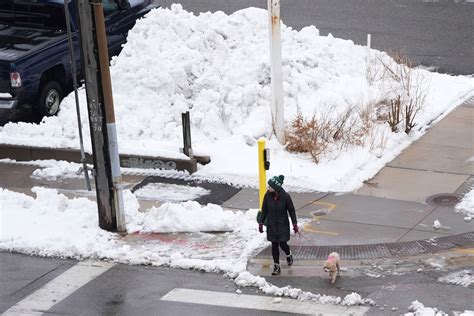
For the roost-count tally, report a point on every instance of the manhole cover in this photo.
(444, 199)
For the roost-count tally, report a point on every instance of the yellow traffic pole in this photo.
(262, 173)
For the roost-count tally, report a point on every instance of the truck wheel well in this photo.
(57, 73)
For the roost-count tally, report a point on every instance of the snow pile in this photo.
(466, 206)
(464, 278)
(190, 216)
(217, 67)
(53, 225)
(353, 299)
(170, 192)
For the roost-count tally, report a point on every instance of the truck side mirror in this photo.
(266, 158)
(123, 4)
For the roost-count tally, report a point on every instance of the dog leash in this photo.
(301, 236)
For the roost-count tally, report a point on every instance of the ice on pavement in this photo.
(217, 67)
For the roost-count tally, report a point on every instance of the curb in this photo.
(384, 250)
(28, 153)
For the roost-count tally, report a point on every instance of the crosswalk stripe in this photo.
(258, 302)
(59, 288)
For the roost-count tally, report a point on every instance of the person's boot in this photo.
(289, 259)
(276, 269)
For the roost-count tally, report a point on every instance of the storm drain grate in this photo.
(354, 252)
(405, 248)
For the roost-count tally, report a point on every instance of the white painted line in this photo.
(59, 288)
(259, 302)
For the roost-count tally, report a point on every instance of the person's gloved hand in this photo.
(295, 228)
(260, 228)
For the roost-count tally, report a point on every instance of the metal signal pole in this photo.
(278, 115)
(101, 115)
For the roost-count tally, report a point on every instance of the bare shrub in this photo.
(409, 91)
(394, 114)
(309, 136)
(318, 136)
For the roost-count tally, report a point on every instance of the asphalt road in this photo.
(139, 290)
(432, 33)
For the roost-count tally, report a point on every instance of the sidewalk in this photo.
(393, 213)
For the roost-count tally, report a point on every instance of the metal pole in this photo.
(187, 148)
(369, 40)
(98, 13)
(97, 123)
(262, 172)
(276, 70)
(76, 96)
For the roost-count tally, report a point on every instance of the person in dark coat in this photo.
(276, 207)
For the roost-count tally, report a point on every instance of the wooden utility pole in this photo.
(95, 61)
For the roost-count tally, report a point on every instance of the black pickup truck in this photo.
(35, 67)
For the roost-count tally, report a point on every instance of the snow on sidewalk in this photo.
(53, 225)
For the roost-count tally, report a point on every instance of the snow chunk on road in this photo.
(352, 299)
(418, 309)
(464, 278)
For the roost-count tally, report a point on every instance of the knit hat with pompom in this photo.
(276, 182)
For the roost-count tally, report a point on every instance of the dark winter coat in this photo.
(275, 215)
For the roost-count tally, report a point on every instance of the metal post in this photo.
(262, 172)
(76, 96)
(369, 39)
(101, 118)
(187, 149)
(276, 70)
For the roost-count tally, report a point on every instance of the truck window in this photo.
(134, 3)
(31, 13)
(110, 6)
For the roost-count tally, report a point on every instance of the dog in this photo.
(331, 265)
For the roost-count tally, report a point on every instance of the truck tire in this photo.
(49, 98)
